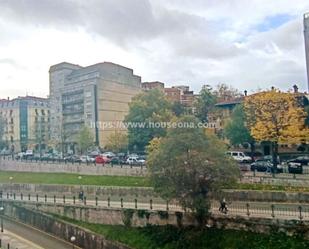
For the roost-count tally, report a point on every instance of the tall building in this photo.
(306, 34)
(97, 94)
(26, 123)
(146, 86)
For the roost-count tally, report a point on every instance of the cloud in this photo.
(240, 42)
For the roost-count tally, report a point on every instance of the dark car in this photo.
(295, 166)
(265, 165)
(72, 159)
(117, 161)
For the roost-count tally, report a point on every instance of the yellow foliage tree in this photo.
(276, 117)
(117, 142)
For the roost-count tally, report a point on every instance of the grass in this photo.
(72, 179)
(169, 237)
(121, 181)
(268, 187)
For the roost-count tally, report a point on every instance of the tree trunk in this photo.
(275, 155)
(252, 148)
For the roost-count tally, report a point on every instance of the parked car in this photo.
(239, 156)
(109, 154)
(117, 160)
(72, 158)
(102, 159)
(135, 161)
(264, 166)
(295, 166)
(87, 159)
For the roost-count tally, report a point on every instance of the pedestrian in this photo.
(223, 207)
(81, 195)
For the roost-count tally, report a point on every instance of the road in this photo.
(22, 236)
(285, 211)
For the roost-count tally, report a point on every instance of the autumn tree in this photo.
(117, 142)
(187, 165)
(146, 109)
(224, 92)
(205, 103)
(84, 139)
(237, 131)
(276, 117)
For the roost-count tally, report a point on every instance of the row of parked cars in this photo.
(104, 158)
(294, 166)
(265, 163)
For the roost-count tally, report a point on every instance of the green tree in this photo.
(178, 109)
(146, 109)
(187, 165)
(205, 103)
(117, 142)
(236, 130)
(84, 139)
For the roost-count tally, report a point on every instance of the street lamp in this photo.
(73, 240)
(11, 186)
(1, 211)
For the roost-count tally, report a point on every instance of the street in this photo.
(22, 236)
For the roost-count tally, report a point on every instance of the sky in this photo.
(248, 44)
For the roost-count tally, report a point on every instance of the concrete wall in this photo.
(91, 169)
(102, 215)
(31, 214)
(84, 238)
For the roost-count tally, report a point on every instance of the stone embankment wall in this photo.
(32, 214)
(76, 168)
(64, 230)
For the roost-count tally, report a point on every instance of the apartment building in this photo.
(95, 96)
(26, 123)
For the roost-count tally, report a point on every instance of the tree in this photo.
(187, 165)
(236, 130)
(117, 142)
(224, 92)
(205, 103)
(276, 117)
(146, 109)
(84, 139)
(177, 108)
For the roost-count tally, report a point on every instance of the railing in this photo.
(63, 161)
(285, 211)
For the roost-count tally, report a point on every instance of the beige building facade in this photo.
(26, 123)
(96, 96)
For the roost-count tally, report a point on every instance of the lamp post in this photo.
(11, 186)
(73, 240)
(1, 211)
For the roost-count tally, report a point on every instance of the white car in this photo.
(109, 154)
(85, 159)
(239, 156)
(135, 161)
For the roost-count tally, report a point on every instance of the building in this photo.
(26, 122)
(146, 86)
(95, 96)
(173, 94)
(306, 35)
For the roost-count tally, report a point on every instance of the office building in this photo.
(83, 96)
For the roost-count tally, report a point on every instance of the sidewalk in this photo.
(16, 242)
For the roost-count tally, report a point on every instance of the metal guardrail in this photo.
(286, 211)
(62, 161)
